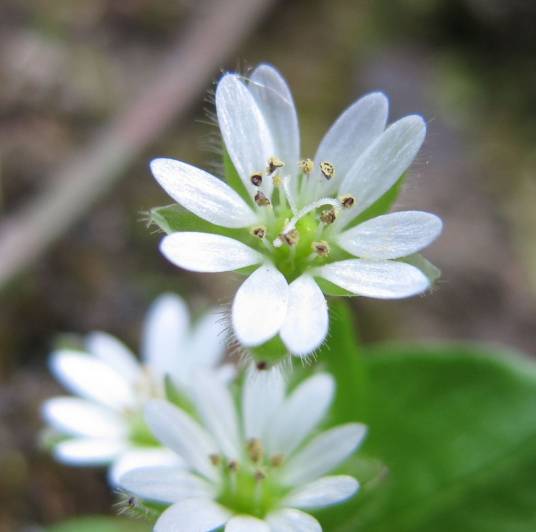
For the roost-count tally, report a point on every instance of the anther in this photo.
(259, 475)
(328, 216)
(277, 460)
(215, 459)
(306, 166)
(259, 231)
(255, 450)
(291, 237)
(262, 365)
(347, 201)
(274, 163)
(321, 248)
(261, 200)
(327, 169)
(233, 466)
(256, 179)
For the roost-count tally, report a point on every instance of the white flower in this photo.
(104, 425)
(255, 470)
(297, 222)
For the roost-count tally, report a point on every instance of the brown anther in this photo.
(306, 166)
(262, 365)
(259, 231)
(255, 450)
(347, 201)
(256, 179)
(233, 465)
(291, 237)
(259, 475)
(328, 216)
(321, 248)
(132, 502)
(215, 459)
(277, 460)
(274, 163)
(261, 200)
(278, 180)
(327, 169)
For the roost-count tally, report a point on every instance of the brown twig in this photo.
(214, 33)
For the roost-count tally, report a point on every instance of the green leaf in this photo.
(432, 272)
(100, 524)
(455, 427)
(341, 357)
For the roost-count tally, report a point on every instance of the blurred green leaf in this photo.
(455, 427)
(100, 524)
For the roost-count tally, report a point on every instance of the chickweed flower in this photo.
(253, 468)
(299, 225)
(104, 425)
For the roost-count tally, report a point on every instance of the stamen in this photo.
(261, 200)
(348, 201)
(328, 216)
(277, 460)
(255, 450)
(327, 169)
(233, 466)
(274, 163)
(215, 459)
(259, 475)
(262, 365)
(291, 237)
(256, 179)
(321, 248)
(306, 210)
(306, 166)
(259, 231)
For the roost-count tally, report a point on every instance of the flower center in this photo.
(251, 486)
(296, 239)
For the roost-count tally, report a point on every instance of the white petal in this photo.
(164, 334)
(246, 523)
(378, 169)
(165, 484)
(323, 453)
(192, 515)
(391, 236)
(323, 492)
(178, 431)
(115, 354)
(244, 130)
(352, 133)
(137, 457)
(205, 252)
(78, 417)
(260, 306)
(274, 99)
(306, 324)
(292, 520)
(381, 279)
(203, 194)
(206, 345)
(262, 395)
(91, 378)
(88, 451)
(301, 413)
(215, 406)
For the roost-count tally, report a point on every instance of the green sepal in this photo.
(331, 289)
(382, 205)
(432, 272)
(174, 395)
(233, 179)
(270, 352)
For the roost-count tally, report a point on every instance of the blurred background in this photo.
(80, 111)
